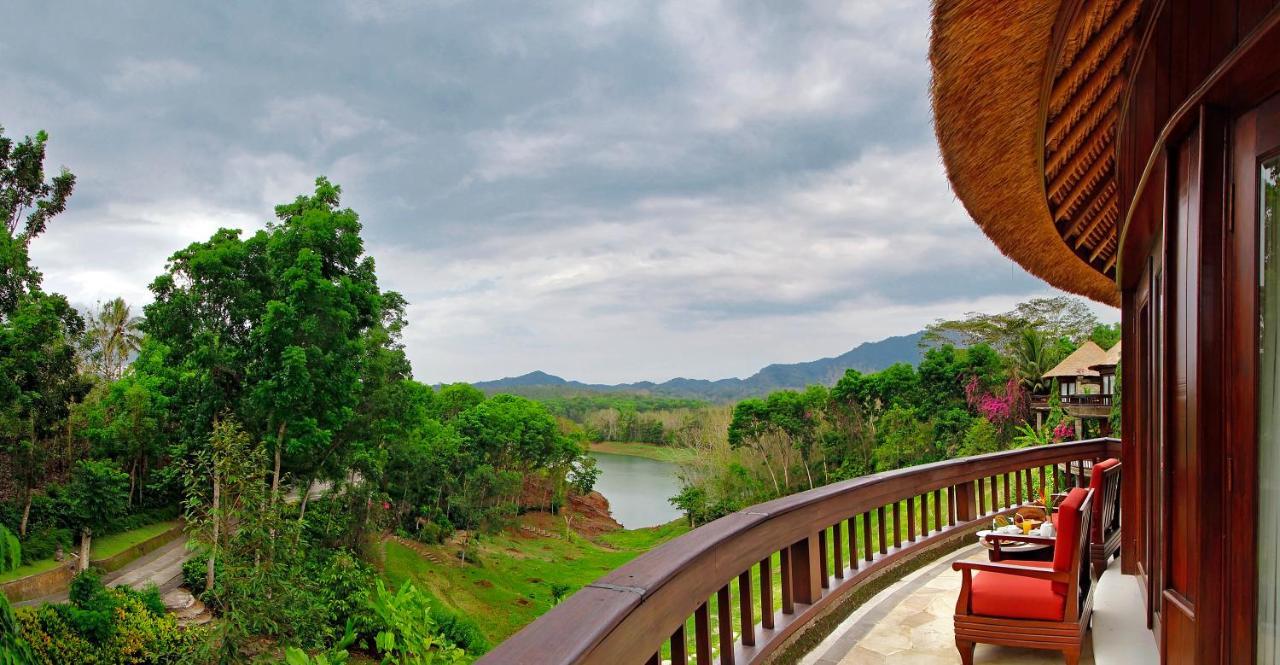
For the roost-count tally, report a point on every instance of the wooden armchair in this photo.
(1104, 536)
(1032, 604)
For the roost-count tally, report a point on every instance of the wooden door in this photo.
(1253, 438)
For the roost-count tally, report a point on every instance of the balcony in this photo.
(820, 551)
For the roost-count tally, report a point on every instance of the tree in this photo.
(1056, 317)
(322, 299)
(224, 486)
(1032, 358)
(97, 495)
(38, 331)
(1106, 335)
(27, 203)
(128, 422)
(112, 337)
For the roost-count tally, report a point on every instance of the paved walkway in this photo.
(911, 622)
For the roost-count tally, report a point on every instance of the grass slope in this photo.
(511, 586)
(100, 548)
(646, 450)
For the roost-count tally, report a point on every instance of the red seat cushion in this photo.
(1068, 525)
(1095, 484)
(1016, 597)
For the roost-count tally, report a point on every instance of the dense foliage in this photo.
(959, 400)
(266, 392)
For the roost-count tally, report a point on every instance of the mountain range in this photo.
(866, 357)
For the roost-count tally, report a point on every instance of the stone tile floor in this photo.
(911, 623)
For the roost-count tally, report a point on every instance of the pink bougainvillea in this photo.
(998, 409)
(1063, 431)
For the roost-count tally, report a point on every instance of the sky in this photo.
(607, 191)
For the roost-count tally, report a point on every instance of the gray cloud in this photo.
(607, 190)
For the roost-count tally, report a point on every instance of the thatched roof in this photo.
(1026, 127)
(1080, 361)
(1112, 358)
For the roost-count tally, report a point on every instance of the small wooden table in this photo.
(1017, 547)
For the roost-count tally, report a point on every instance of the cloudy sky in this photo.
(609, 191)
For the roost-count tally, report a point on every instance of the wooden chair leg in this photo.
(1071, 655)
(966, 651)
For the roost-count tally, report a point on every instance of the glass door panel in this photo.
(1268, 652)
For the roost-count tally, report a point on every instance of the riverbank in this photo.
(510, 583)
(651, 451)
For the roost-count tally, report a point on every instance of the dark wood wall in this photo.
(1188, 292)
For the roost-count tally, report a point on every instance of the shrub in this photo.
(459, 629)
(405, 630)
(43, 544)
(127, 630)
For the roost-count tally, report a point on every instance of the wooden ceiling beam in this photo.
(1094, 15)
(1061, 136)
(1111, 263)
(1078, 103)
(1103, 47)
(1102, 246)
(1065, 190)
(1099, 199)
(1101, 136)
(1109, 212)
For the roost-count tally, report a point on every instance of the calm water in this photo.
(637, 489)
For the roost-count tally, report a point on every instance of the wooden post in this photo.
(805, 576)
(679, 647)
(766, 592)
(702, 635)
(724, 625)
(966, 504)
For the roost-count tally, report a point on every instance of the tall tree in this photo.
(97, 496)
(38, 331)
(27, 202)
(1032, 357)
(271, 329)
(308, 344)
(112, 337)
(1056, 317)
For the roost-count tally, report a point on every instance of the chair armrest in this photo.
(1013, 538)
(1010, 569)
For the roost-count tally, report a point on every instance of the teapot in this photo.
(1047, 530)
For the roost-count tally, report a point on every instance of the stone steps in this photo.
(186, 608)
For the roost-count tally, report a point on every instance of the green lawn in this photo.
(511, 586)
(30, 569)
(116, 543)
(647, 450)
(101, 548)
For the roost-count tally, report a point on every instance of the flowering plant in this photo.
(1063, 431)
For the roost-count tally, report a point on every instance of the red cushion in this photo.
(1016, 597)
(1068, 525)
(1095, 484)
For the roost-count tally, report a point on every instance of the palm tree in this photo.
(1033, 357)
(113, 337)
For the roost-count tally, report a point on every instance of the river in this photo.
(637, 489)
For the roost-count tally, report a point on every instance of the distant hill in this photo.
(867, 357)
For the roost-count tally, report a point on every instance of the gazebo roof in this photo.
(1080, 361)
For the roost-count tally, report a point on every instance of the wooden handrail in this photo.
(631, 613)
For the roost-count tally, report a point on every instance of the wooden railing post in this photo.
(805, 571)
(966, 505)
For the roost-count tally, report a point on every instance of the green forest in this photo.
(970, 394)
(268, 365)
(335, 508)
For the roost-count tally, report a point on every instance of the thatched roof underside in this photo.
(1044, 193)
(1078, 363)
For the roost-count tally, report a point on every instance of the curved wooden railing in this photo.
(813, 548)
